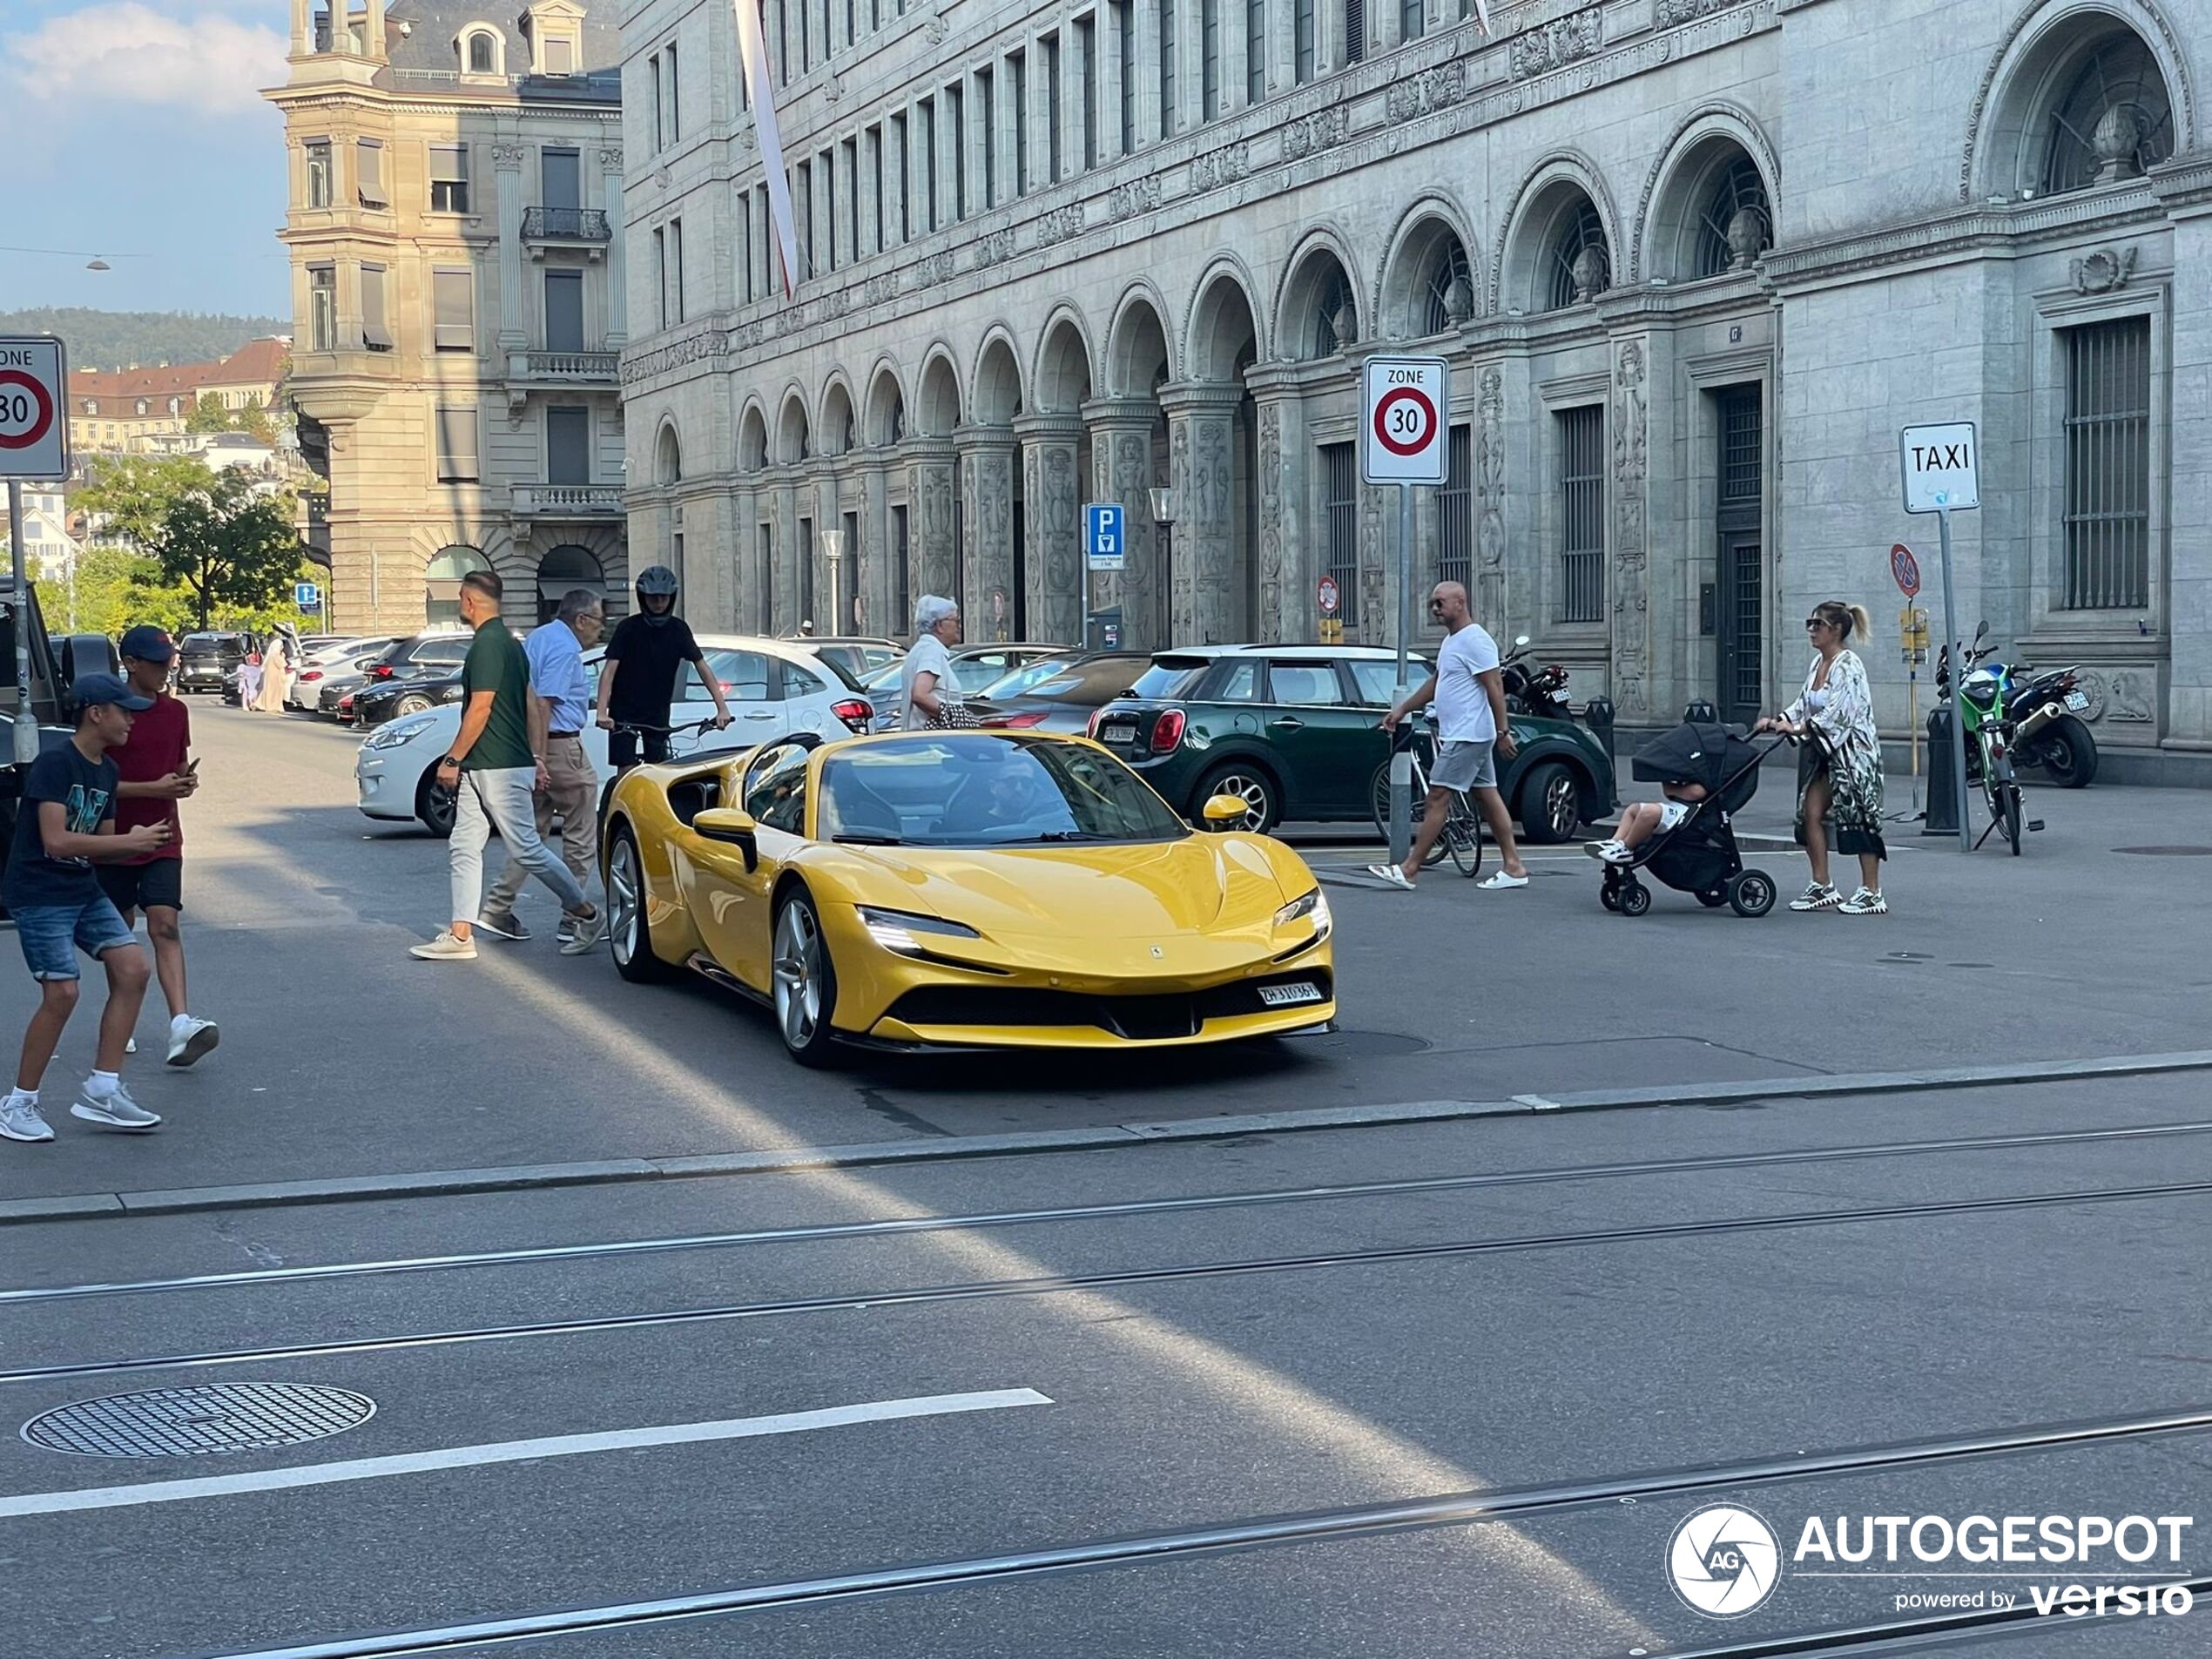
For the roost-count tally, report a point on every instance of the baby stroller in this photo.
(1698, 855)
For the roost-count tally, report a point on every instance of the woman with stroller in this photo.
(1839, 771)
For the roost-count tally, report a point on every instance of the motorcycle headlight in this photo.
(902, 931)
(1314, 905)
(400, 731)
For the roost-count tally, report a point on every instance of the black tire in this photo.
(1263, 796)
(629, 933)
(1713, 898)
(2008, 801)
(413, 703)
(1549, 804)
(1609, 895)
(2067, 751)
(1635, 897)
(1463, 837)
(1752, 894)
(433, 806)
(802, 1022)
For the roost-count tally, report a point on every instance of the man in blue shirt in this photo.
(566, 786)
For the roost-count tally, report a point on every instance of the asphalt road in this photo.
(1429, 1388)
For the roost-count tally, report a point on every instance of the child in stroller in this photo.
(1709, 773)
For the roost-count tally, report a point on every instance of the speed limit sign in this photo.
(34, 423)
(1404, 404)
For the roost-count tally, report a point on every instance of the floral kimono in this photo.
(1848, 753)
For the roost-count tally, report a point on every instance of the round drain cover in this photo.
(1366, 1043)
(186, 1422)
(2167, 851)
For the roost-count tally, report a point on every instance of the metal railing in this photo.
(565, 224)
(573, 364)
(567, 501)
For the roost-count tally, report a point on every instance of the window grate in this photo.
(1745, 574)
(1740, 468)
(1581, 559)
(1739, 189)
(2107, 465)
(1340, 510)
(1580, 230)
(1455, 511)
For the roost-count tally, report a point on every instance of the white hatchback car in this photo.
(773, 690)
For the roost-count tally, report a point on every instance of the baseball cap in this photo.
(148, 643)
(105, 688)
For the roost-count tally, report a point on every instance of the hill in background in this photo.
(117, 339)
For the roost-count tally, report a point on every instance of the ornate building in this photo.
(1693, 264)
(457, 297)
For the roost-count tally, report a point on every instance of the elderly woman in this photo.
(1839, 773)
(927, 686)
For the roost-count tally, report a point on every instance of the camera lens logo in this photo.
(1724, 1562)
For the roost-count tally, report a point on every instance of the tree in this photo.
(254, 419)
(232, 546)
(208, 414)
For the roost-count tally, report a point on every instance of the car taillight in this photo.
(1021, 721)
(382, 672)
(1090, 730)
(1167, 731)
(855, 713)
(311, 674)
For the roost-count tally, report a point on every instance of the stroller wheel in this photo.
(1635, 897)
(1713, 898)
(1752, 894)
(1609, 894)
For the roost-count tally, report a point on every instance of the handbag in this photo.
(953, 715)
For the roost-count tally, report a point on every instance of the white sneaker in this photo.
(446, 948)
(190, 1041)
(1817, 897)
(115, 1110)
(1867, 901)
(19, 1120)
(1612, 851)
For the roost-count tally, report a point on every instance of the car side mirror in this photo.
(1223, 810)
(732, 826)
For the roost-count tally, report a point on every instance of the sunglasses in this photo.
(1815, 622)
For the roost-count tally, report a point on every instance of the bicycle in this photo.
(1463, 834)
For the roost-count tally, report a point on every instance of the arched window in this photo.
(142, 406)
(562, 569)
(1336, 319)
(1447, 292)
(1734, 224)
(482, 47)
(668, 459)
(2112, 119)
(1578, 266)
(441, 585)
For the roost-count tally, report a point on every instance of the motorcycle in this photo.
(2050, 731)
(1985, 708)
(1538, 691)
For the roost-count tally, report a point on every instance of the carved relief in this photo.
(1271, 617)
(1222, 166)
(2106, 270)
(1490, 497)
(1631, 647)
(2131, 699)
(1052, 487)
(1562, 41)
(1323, 130)
(1668, 13)
(2092, 686)
(1138, 196)
(1208, 535)
(697, 347)
(610, 157)
(929, 270)
(1433, 89)
(1374, 506)
(994, 249)
(931, 485)
(1132, 477)
(1184, 536)
(1060, 224)
(990, 483)
(508, 156)
(879, 288)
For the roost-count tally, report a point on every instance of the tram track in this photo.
(1060, 1283)
(1258, 1198)
(1335, 1525)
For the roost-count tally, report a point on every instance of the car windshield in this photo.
(976, 789)
(1169, 676)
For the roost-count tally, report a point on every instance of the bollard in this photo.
(1943, 793)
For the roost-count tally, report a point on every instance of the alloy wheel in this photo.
(623, 910)
(798, 975)
(1562, 805)
(1253, 792)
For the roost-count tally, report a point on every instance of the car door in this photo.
(730, 903)
(810, 693)
(1326, 740)
(748, 686)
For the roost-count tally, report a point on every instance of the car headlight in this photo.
(390, 737)
(1314, 905)
(896, 930)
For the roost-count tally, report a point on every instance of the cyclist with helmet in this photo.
(637, 683)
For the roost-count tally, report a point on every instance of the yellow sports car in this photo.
(962, 889)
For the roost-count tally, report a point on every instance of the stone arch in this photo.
(937, 409)
(1318, 312)
(1139, 353)
(668, 453)
(560, 569)
(997, 398)
(1717, 164)
(1061, 382)
(2042, 69)
(441, 582)
(1222, 333)
(886, 406)
(1563, 204)
(752, 437)
(794, 432)
(835, 431)
(1427, 285)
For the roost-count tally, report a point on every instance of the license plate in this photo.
(2077, 700)
(1283, 996)
(1118, 732)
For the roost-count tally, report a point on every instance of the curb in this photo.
(861, 1154)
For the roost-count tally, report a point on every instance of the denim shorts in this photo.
(53, 934)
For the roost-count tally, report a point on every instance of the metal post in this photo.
(1401, 755)
(26, 721)
(1958, 685)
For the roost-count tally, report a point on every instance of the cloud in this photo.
(130, 53)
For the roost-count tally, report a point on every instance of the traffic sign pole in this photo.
(1958, 686)
(1403, 404)
(26, 722)
(1401, 755)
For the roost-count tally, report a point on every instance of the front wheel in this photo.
(2008, 813)
(630, 936)
(1752, 894)
(413, 703)
(804, 980)
(1380, 792)
(433, 806)
(2067, 752)
(1263, 805)
(1551, 804)
(1635, 897)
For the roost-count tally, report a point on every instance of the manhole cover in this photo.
(1367, 1042)
(186, 1422)
(2167, 851)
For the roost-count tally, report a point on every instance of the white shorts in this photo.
(1672, 815)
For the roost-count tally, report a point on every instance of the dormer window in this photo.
(142, 406)
(91, 406)
(555, 30)
(483, 50)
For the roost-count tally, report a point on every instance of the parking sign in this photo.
(1103, 541)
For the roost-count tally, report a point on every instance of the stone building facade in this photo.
(1693, 264)
(455, 229)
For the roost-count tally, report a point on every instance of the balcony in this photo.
(570, 503)
(568, 227)
(565, 368)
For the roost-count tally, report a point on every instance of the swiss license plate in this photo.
(2077, 700)
(1118, 732)
(1283, 996)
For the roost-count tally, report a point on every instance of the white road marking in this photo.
(464, 1457)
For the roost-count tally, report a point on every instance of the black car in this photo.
(206, 661)
(419, 657)
(376, 703)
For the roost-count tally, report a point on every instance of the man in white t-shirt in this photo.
(1472, 735)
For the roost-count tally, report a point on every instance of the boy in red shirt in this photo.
(155, 775)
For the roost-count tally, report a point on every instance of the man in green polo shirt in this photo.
(494, 772)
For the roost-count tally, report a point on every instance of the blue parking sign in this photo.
(305, 596)
(1103, 542)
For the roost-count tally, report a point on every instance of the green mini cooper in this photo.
(1293, 729)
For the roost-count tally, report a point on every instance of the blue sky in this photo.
(133, 129)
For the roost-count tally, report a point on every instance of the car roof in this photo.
(1287, 653)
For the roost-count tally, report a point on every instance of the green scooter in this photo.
(1985, 692)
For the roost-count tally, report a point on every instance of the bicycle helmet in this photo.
(655, 579)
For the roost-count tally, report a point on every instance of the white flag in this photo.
(760, 89)
(1482, 15)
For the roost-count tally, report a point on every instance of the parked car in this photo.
(772, 687)
(1294, 730)
(377, 702)
(203, 659)
(974, 667)
(1063, 696)
(440, 651)
(342, 659)
(857, 654)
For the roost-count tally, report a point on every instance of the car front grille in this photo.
(1138, 1018)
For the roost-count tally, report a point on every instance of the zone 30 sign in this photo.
(33, 432)
(1404, 403)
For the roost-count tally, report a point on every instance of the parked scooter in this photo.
(1539, 692)
(1986, 706)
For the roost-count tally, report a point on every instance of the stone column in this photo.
(508, 160)
(930, 488)
(1121, 461)
(1629, 573)
(784, 587)
(1492, 595)
(1200, 470)
(1290, 561)
(1111, 69)
(618, 266)
(1051, 506)
(303, 40)
(987, 487)
(1147, 70)
(2189, 585)
(873, 581)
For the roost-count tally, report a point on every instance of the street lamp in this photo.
(833, 550)
(1164, 516)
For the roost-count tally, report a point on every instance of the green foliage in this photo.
(111, 339)
(233, 548)
(114, 589)
(208, 414)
